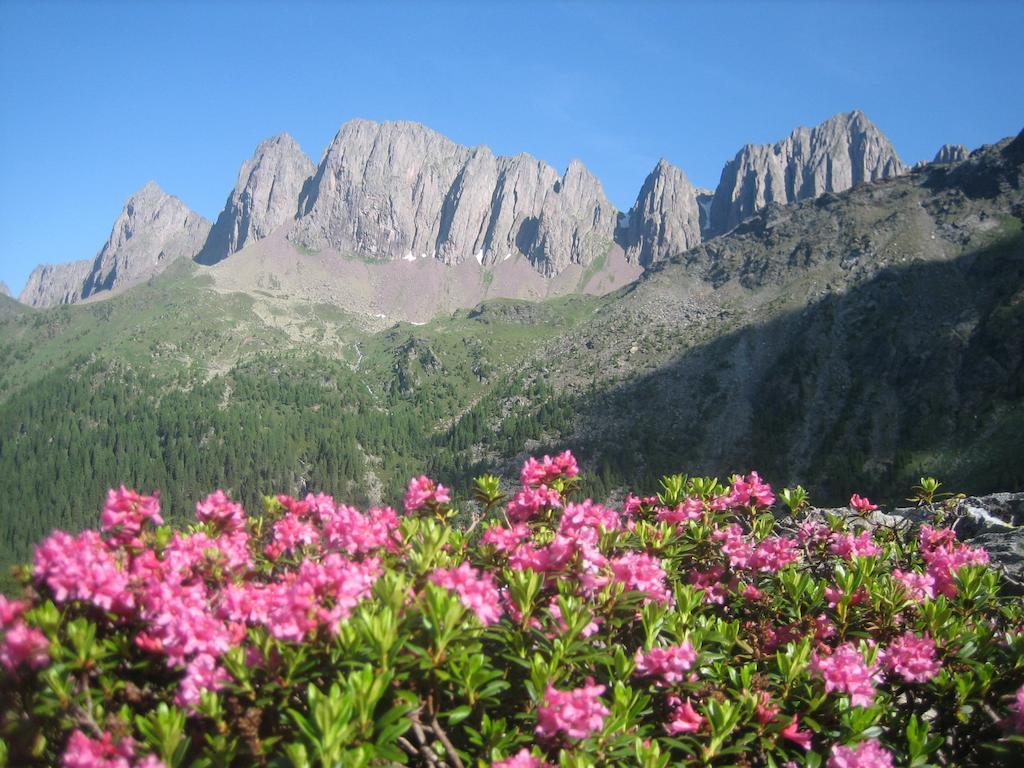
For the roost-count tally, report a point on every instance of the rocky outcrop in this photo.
(845, 150)
(53, 284)
(265, 196)
(951, 153)
(664, 220)
(4, 290)
(398, 190)
(153, 230)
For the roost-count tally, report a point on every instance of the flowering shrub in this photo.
(698, 626)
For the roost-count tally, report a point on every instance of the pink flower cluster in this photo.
(771, 554)
(846, 671)
(20, 643)
(867, 754)
(423, 492)
(225, 514)
(126, 512)
(83, 752)
(683, 718)
(683, 512)
(849, 546)
(577, 713)
(665, 664)
(944, 556)
(912, 658)
(476, 590)
(642, 573)
(862, 504)
(525, 505)
(83, 567)
(749, 491)
(544, 472)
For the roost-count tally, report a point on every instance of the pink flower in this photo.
(862, 504)
(522, 759)
(202, 674)
(750, 491)
(529, 501)
(847, 672)
(867, 754)
(688, 509)
(913, 658)
(475, 589)
(82, 568)
(83, 752)
(848, 546)
(684, 718)
(22, 644)
(546, 470)
(588, 514)
(290, 532)
(219, 509)
(944, 556)
(506, 539)
(126, 511)
(424, 492)
(774, 553)
(634, 504)
(642, 573)
(666, 664)
(577, 713)
(919, 586)
(794, 734)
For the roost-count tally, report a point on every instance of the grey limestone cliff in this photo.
(398, 190)
(4, 290)
(153, 230)
(665, 219)
(951, 153)
(53, 284)
(845, 150)
(265, 196)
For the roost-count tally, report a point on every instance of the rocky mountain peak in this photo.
(665, 219)
(951, 153)
(266, 195)
(399, 190)
(52, 284)
(845, 150)
(152, 230)
(4, 290)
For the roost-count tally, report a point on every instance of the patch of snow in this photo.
(381, 315)
(423, 255)
(507, 256)
(408, 257)
(479, 256)
(413, 322)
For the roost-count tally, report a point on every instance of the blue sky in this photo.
(97, 98)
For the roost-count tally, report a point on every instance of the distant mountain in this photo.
(399, 221)
(665, 219)
(951, 153)
(265, 196)
(399, 190)
(845, 150)
(152, 230)
(4, 290)
(52, 284)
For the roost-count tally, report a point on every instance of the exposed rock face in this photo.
(399, 190)
(4, 290)
(153, 230)
(951, 153)
(665, 219)
(265, 196)
(845, 150)
(53, 284)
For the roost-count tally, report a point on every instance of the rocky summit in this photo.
(665, 219)
(845, 150)
(951, 153)
(475, 224)
(153, 230)
(399, 190)
(265, 197)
